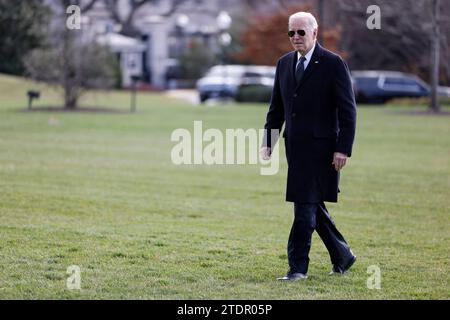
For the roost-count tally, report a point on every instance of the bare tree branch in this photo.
(134, 6)
(88, 6)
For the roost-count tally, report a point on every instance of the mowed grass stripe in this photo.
(98, 190)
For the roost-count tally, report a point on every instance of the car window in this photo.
(403, 84)
(394, 81)
(252, 74)
(269, 74)
(413, 82)
(366, 82)
(409, 82)
(241, 72)
(229, 72)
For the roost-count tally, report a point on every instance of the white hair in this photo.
(312, 22)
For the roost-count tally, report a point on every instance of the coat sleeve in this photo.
(346, 108)
(275, 115)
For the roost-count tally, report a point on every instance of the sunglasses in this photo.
(299, 32)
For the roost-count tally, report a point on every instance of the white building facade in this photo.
(160, 36)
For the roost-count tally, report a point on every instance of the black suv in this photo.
(380, 86)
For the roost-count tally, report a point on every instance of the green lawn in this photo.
(98, 190)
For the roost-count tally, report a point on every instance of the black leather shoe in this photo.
(343, 269)
(293, 277)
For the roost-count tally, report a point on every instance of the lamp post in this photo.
(182, 22)
(223, 23)
(224, 20)
(320, 9)
(134, 79)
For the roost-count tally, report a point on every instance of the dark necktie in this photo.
(300, 69)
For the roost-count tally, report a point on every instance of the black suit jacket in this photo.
(319, 114)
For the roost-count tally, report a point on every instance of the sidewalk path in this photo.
(190, 96)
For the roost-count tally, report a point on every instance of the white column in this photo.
(158, 51)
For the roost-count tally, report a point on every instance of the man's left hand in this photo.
(339, 160)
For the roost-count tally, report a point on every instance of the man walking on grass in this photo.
(313, 96)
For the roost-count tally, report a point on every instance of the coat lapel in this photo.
(312, 65)
(292, 73)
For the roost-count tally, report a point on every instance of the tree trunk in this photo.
(69, 72)
(70, 97)
(321, 11)
(434, 105)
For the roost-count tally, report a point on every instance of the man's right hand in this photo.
(265, 153)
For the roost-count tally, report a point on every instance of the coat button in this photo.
(293, 115)
(295, 95)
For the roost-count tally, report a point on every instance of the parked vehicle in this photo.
(225, 81)
(239, 82)
(380, 86)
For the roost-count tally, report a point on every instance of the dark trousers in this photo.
(307, 218)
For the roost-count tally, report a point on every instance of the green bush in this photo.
(254, 93)
(24, 28)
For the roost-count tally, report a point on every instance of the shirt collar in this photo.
(308, 55)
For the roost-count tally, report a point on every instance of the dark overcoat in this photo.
(319, 114)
